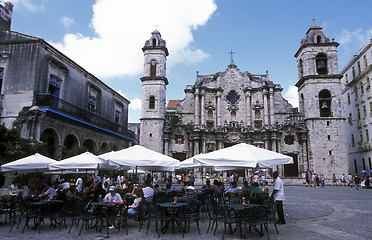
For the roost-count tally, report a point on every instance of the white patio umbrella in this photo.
(33, 163)
(85, 161)
(243, 155)
(141, 158)
(189, 163)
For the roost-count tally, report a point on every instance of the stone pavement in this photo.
(311, 214)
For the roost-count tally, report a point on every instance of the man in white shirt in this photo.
(278, 195)
(113, 196)
(50, 192)
(147, 190)
(79, 184)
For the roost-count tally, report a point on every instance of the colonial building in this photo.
(50, 98)
(234, 106)
(357, 99)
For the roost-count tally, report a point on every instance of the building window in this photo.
(179, 139)
(153, 68)
(154, 42)
(365, 61)
(367, 135)
(359, 70)
(352, 140)
(364, 163)
(350, 119)
(92, 102)
(346, 78)
(325, 100)
(289, 139)
(152, 102)
(361, 88)
(368, 84)
(353, 72)
(370, 108)
(1, 77)
(330, 153)
(361, 138)
(321, 63)
(358, 113)
(348, 98)
(356, 92)
(364, 112)
(118, 111)
(329, 137)
(355, 166)
(318, 39)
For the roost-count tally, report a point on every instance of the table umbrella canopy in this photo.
(189, 163)
(142, 158)
(243, 155)
(84, 161)
(33, 163)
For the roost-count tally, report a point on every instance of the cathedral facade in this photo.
(233, 106)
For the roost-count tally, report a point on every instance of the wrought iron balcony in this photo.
(48, 100)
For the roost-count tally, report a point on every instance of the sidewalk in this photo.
(311, 214)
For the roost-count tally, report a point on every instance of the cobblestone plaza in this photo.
(311, 213)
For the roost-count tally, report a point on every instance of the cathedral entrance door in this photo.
(291, 170)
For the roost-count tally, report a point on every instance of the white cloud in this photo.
(292, 95)
(352, 41)
(33, 7)
(121, 31)
(66, 21)
(135, 104)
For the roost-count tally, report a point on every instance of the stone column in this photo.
(166, 146)
(273, 147)
(248, 108)
(266, 107)
(203, 145)
(196, 147)
(202, 108)
(197, 108)
(272, 119)
(219, 108)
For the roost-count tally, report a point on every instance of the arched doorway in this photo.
(90, 145)
(50, 137)
(104, 148)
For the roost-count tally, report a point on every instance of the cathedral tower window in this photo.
(153, 68)
(352, 140)
(321, 63)
(318, 39)
(152, 102)
(325, 100)
(154, 42)
(300, 68)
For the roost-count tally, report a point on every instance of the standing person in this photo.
(357, 181)
(221, 180)
(350, 180)
(191, 179)
(334, 180)
(308, 176)
(279, 197)
(322, 180)
(79, 184)
(343, 180)
(232, 179)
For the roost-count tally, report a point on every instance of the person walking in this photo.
(278, 196)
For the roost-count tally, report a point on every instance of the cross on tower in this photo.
(313, 19)
(231, 53)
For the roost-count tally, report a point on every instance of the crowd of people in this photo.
(318, 180)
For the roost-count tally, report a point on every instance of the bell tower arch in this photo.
(154, 82)
(319, 90)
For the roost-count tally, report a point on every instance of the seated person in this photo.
(71, 193)
(245, 190)
(265, 187)
(14, 190)
(138, 194)
(207, 186)
(169, 190)
(147, 190)
(30, 192)
(189, 187)
(256, 190)
(113, 196)
(49, 191)
(233, 189)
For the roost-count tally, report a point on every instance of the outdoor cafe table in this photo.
(172, 209)
(45, 208)
(103, 213)
(240, 211)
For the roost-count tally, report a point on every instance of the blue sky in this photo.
(106, 36)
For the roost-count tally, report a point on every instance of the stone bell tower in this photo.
(154, 84)
(319, 89)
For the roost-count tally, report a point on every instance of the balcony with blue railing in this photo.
(75, 112)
